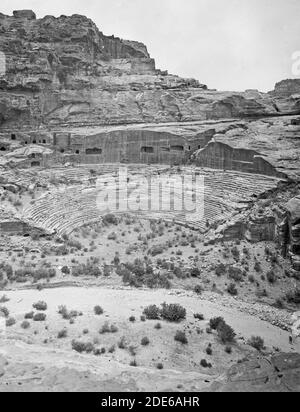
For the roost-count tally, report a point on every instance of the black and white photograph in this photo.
(149, 199)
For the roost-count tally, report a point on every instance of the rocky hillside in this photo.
(64, 71)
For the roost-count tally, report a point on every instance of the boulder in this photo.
(24, 14)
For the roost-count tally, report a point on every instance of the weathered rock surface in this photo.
(65, 71)
(281, 373)
(65, 79)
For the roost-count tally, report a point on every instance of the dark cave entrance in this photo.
(94, 151)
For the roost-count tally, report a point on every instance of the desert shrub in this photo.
(145, 341)
(152, 312)
(88, 269)
(132, 319)
(110, 219)
(113, 329)
(81, 347)
(85, 331)
(205, 364)
(198, 289)
(156, 250)
(4, 299)
(41, 306)
(29, 315)
(199, 316)
(112, 236)
(181, 337)
(4, 311)
(143, 318)
(10, 322)
(279, 304)
(157, 280)
(158, 326)
(112, 349)
(293, 296)
(220, 270)
(232, 290)
(228, 350)
(65, 270)
(257, 343)
(122, 343)
(39, 317)
(98, 310)
(251, 278)
(25, 324)
(214, 323)
(257, 267)
(173, 312)
(235, 273)
(133, 363)
(226, 333)
(105, 329)
(209, 351)
(159, 366)
(195, 273)
(235, 253)
(62, 334)
(271, 277)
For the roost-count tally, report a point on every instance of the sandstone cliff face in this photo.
(64, 71)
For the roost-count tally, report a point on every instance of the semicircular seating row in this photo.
(225, 194)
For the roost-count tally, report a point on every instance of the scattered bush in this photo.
(199, 316)
(209, 351)
(145, 341)
(39, 317)
(98, 310)
(29, 315)
(4, 298)
(228, 349)
(65, 270)
(81, 347)
(4, 311)
(41, 306)
(257, 343)
(232, 290)
(10, 322)
(62, 334)
(198, 289)
(226, 333)
(173, 312)
(195, 273)
(271, 277)
(132, 319)
(160, 366)
(25, 324)
(181, 337)
(152, 312)
(220, 270)
(205, 364)
(214, 323)
(293, 296)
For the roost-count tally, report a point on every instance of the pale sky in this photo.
(226, 44)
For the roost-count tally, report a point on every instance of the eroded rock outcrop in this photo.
(293, 222)
(281, 373)
(63, 71)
